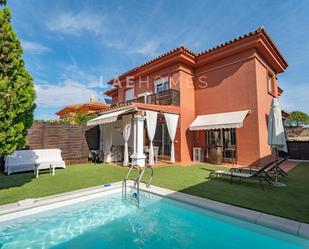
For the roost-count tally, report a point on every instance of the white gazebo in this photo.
(124, 126)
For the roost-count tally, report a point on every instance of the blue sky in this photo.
(72, 48)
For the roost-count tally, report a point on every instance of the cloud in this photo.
(146, 48)
(70, 92)
(74, 73)
(76, 23)
(137, 40)
(150, 48)
(76, 87)
(34, 47)
(295, 97)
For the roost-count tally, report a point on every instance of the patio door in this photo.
(229, 145)
(162, 140)
(225, 140)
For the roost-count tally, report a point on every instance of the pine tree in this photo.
(17, 94)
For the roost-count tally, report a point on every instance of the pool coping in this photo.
(23, 208)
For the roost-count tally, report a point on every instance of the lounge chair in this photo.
(259, 174)
(271, 169)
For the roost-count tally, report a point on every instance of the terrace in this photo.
(168, 97)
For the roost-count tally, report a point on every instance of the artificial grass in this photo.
(290, 202)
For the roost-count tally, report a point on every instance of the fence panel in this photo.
(298, 150)
(71, 139)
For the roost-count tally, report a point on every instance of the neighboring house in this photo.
(70, 112)
(221, 96)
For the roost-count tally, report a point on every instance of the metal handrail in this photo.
(151, 176)
(124, 182)
(139, 178)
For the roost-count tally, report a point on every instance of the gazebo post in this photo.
(138, 157)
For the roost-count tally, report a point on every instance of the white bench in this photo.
(33, 160)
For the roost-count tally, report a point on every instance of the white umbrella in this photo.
(276, 135)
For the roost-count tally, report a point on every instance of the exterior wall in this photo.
(234, 83)
(232, 87)
(187, 113)
(264, 102)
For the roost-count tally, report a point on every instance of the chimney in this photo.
(92, 99)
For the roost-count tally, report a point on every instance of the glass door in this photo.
(221, 145)
(162, 140)
(229, 145)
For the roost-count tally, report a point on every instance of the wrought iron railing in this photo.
(169, 97)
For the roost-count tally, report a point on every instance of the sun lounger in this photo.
(260, 174)
(271, 169)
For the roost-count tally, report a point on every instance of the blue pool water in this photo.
(115, 222)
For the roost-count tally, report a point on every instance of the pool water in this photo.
(116, 222)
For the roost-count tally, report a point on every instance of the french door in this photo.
(225, 138)
(162, 140)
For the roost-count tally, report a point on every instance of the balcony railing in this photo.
(169, 97)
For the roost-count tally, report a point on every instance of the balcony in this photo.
(169, 97)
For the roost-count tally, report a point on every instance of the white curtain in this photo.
(126, 131)
(171, 122)
(101, 146)
(108, 140)
(151, 120)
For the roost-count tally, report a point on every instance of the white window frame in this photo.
(144, 94)
(270, 83)
(128, 97)
(161, 81)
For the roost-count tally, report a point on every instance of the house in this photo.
(70, 112)
(210, 106)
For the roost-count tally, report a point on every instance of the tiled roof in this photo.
(189, 52)
(181, 48)
(260, 30)
(142, 106)
(75, 107)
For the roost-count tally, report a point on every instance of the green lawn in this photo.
(291, 202)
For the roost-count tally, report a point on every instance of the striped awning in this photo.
(219, 121)
(107, 117)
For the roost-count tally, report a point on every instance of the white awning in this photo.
(219, 121)
(107, 118)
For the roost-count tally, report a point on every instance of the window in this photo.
(129, 94)
(145, 95)
(270, 84)
(161, 85)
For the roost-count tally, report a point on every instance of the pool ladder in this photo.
(137, 180)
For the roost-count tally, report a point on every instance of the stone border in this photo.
(20, 209)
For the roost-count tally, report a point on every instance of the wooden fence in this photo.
(298, 150)
(71, 139)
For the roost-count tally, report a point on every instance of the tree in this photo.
(84, 118)
(17, 94)
(298, 119)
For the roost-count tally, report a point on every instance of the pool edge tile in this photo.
(303, 230)
(286, 225)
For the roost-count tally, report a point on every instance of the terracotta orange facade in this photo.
(238, 75)
(70, 112)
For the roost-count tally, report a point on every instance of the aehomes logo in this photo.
(147, 82)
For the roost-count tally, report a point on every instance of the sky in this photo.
(73, 47)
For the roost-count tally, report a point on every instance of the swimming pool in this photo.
(116, 222)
